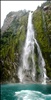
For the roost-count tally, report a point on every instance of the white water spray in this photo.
(27, 72)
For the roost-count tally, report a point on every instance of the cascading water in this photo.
(27, 72)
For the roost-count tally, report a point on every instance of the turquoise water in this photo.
(25, 92)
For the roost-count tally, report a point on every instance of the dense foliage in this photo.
(42, 26)
(13, 38)
(12, 41)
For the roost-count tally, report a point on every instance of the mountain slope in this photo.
(12, 41)
(42, 25)
(13, 34)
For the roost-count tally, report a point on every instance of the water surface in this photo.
(25, 92)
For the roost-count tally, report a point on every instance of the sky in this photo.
(8, 6)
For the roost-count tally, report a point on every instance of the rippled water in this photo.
(25, 92)
(31, 95)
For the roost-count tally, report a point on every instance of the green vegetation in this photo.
(12, 41)
(13, 38)
(42, 26)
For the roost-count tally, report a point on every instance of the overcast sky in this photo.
(7, 6)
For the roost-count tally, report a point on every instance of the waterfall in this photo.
(27, 71)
